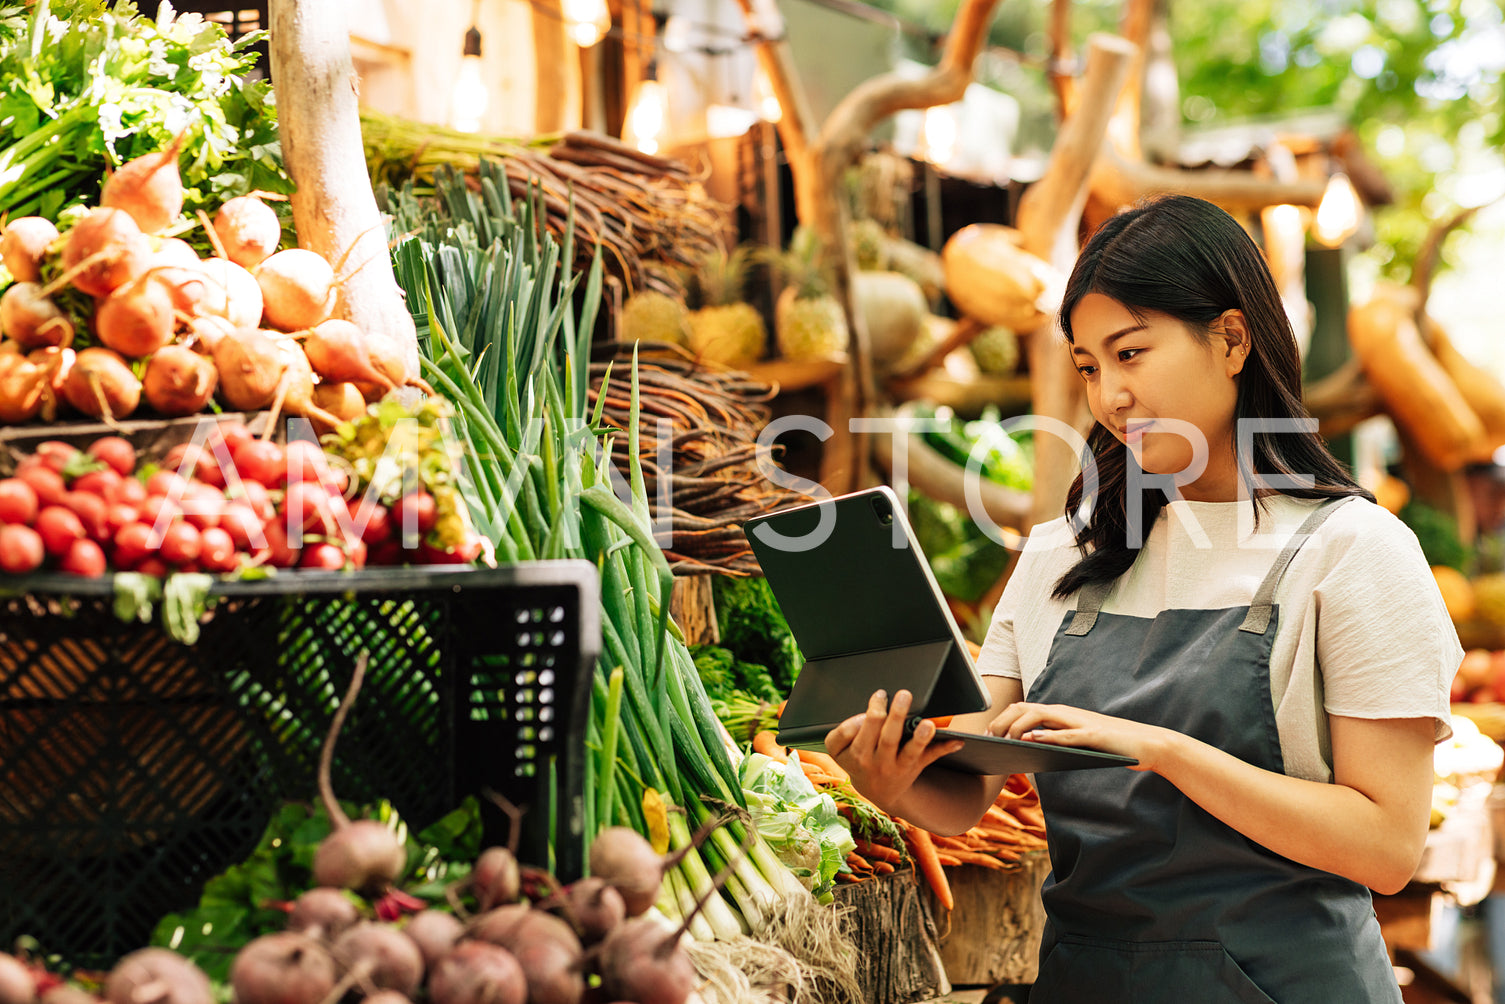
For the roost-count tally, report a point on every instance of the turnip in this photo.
(68, 993)
(18, 501)
(434, 932)
(22, 244)
(231, 293)
(251, 368)
(342, 400)
(337, 350)
(136, 319)
(29, 315)
(248, 230)
(283, 968)
(24, 389)
(297, 390)
(101, 385)
(297, 289)
(178, 381)
(376, 955)
(104, 251)
(204, 332)
(478, 973)
(362, 854)
(157, 976)
(148, 187)
(17, 985)
(175, 251)
(55, 362)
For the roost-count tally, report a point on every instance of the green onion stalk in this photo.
(505, 335)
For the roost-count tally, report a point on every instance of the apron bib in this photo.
(1150, 897)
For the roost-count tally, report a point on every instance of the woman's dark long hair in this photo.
(1188, 259)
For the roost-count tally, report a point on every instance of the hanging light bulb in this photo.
(939, 133)
(469, 98)
(587, 21)
(1339, 212)
(764, 98)
(645, 120)
(677, 32)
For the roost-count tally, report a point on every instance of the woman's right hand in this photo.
(871, 747)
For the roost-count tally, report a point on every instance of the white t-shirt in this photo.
(1358, 601)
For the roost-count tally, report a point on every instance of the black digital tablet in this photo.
(867, 613)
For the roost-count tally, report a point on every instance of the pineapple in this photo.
(651, 316)
(869, 244)
(724, 329)
(809, 323)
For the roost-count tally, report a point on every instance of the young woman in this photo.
(1236, 614)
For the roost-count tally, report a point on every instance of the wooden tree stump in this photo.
(994, 931)
(693, 607)
(891, 925)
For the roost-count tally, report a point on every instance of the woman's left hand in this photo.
(1063, 725)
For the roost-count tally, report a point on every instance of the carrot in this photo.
(943, 722)
(949, 843)
(847, 877)
(948, 859)
(781, 706)
(858, 863)
(984, 860)
(1018, 784)
(882, 868)
(877, 852)
(821, 779)
(1031, 816)
(824, 762)
(763, 742)
(923, 849)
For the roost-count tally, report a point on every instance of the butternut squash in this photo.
(1483, 393)
(1417, 392)
(991, 278)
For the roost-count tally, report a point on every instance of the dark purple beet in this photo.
(434, 932)
(283, 968)
(478, 972)
(323, 912)
(382, 956)
(157, 976)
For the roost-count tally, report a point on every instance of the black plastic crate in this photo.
(134, 768)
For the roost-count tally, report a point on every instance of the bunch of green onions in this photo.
(506, 332)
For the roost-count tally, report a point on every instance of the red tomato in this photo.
(56, 454)
(243, 525)
(128, 491)
(93, 511)
(115, 451)
(134, 543)
(169, 483)
(181, 543)
(21, 549)
(59, 527)
(85, 558)
(18, 501)
(203, 505)
(45, 482)
(260, 461)
(322, 556)
(100, 482)
(217, 551)
(377, 525)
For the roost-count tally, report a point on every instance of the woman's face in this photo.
(1162, 392)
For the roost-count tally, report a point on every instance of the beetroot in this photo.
(495, 878)
(477, 972)
(380, 956)
(642, 962)
(157, 976)
(104, 251)
(435, 933)
(362, 854)
(248, 230)
(148, 187)
(624, 858)
(178, 381)
(283, 968)
(22, 244)
(545, 947)
(596, 907)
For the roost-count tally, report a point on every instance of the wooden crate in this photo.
(890, 922)
(993, 934)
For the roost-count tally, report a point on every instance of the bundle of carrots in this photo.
(1012, 826)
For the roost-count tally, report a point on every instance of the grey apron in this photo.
(1150, 897)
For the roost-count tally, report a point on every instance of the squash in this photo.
(991, 278)
(1417, 392)
(1484, 394)
(1457, 592)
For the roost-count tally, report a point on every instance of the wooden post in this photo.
(334, 209)
(1047, 221)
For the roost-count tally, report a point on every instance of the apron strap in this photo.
(1263, 605)
(1088, 602)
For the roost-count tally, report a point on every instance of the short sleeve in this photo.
(1000, 649)
(1386, 646)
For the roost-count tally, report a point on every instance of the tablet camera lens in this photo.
(884, 512)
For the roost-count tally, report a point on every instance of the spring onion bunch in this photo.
(505, 334)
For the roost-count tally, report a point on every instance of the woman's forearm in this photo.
(1336, 827)
(945, 802)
